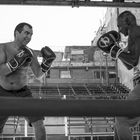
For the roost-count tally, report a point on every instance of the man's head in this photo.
(23, 33)
(125, 21)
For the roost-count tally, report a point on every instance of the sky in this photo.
(54, 26)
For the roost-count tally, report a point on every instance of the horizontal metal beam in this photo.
(45, 107)
(73, 3)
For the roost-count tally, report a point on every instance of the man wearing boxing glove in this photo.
(130, 57)
(15, 60)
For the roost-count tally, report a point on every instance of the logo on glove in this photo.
(104, 42)
(21, 53)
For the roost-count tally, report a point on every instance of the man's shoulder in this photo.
(136, 28)
(5, 44)
(2, 46)
(134, 32)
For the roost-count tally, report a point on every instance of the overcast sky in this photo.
(52, 26)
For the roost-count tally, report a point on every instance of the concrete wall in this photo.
(79, 75)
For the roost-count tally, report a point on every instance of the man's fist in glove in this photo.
(109, 44)
(22, 57)
(109, 40)
(48, 57)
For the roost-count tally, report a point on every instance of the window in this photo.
(112, 75)
(65, 74)
(97, 75)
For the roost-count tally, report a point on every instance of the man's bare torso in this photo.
(16, 79)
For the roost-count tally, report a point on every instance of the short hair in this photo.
(20, 27)
(127, 17)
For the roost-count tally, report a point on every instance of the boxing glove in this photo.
(109, 43)
(48, 57)
(24, 55)
(108, 40)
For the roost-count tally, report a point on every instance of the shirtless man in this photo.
(15, 59)
(127, 25)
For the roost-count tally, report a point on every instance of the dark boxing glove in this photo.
(24, 55)
(108, 40)
(109, 43)
(48, 57)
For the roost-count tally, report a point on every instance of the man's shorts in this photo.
(23, 92)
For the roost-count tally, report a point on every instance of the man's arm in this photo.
(48, 57)
(4, 70)
(132, 56)
(35, 66)
(7, 67)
